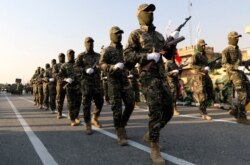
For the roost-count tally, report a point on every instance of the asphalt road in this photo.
(30, 136)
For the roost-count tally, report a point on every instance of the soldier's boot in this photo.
(89, 129)
(146, 138)
(176, 113)
(59, 115)
(77, 120)
(120, 137)
(243, 120)
(156, 155)
(95, 121)
(206, 117)
(73, 123)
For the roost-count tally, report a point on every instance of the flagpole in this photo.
(190, 22)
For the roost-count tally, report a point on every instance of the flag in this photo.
(178, 58)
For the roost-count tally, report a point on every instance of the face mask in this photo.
(71, 57)
(116, 37)
(233, 41)
(146, 18)
(62, 59)
(89, 46)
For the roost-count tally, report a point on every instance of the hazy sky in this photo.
(32, 32)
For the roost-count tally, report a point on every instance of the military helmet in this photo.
(145, 7)
(115, 30)
(89, 39)
(233, 34)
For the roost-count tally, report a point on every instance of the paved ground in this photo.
(32, 136)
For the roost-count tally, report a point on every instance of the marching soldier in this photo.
(91, 85)
(145, 47)
(119, 88)
(231, 60)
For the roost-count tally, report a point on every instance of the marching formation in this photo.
(116, 75)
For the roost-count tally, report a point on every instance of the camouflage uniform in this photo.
(91, 83)
(45, 87)
(173, 81)
(66, 73)
(119, 88)
(51, 86)
(34, 84)
(153, 82)
(40, 88)
(60, 91)
(231, 60)
(203, 93)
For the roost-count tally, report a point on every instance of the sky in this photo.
(32, 32)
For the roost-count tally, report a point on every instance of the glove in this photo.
(154, 56)
(68, 80)
(207, 68)
(89, 71)
(175, 71)
(241, 68)
(105, 78)
(130, 76)
(119, 65)
(51, 79)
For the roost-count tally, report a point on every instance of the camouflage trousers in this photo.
(136, 90)
(203, 92)
(35, 93)
(174, 88)
(52, 96)
(40, 94)
(159, 101)
(118, 93)
(45, 94)
(241, 85)
(60, 96)
(74, 100)
(91, 92)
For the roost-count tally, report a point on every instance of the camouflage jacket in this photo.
(109, 57)
(172, 78)
(55, 71)
(231, 58)
(91, 60)
(200, 61)
(141, 42)
(67, 71)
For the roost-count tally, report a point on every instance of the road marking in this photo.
(40, 149)
(166, 156)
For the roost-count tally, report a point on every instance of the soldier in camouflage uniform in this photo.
(45, 87)
(60, 91)
(40, 88)
(91, 85)
(231, 60)
(68, 75)
(145, 47)
(51, 86)
(119, 88)
(172, 71)
(204, 89)
(34, 84)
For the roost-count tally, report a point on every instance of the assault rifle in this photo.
(170, 41)
(213, 64)
(246, 64)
